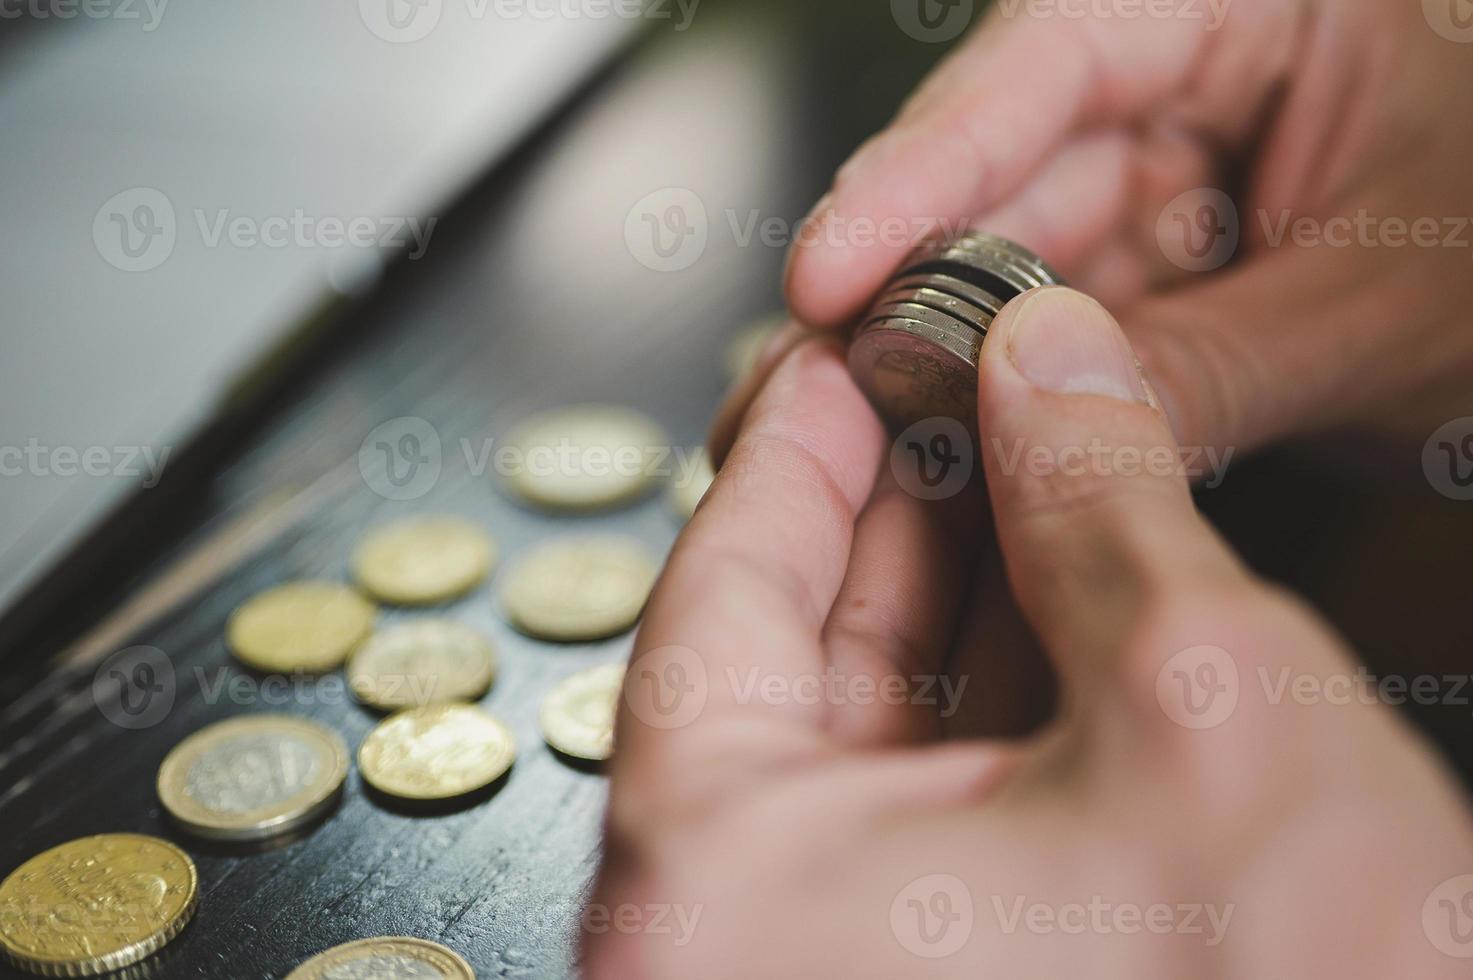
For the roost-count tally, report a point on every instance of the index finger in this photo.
(746, 592)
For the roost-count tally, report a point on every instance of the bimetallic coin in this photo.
(385, 958)
(96, 904)
(583, 458)
(436, 753)
(300, 627)
(254, 777)
(689, 488)
(580, 589)
(742, 353)
(423, 561)
(422, 662)
(912, 371)
(577, 718)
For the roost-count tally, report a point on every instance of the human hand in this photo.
(1079, 138)
(801, 838)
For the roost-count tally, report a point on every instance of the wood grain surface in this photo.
(527, 299)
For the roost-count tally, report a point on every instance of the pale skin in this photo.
(1311, 837)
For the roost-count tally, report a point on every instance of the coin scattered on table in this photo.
(436, 753)
(385, 958)
(300, 627)
(688, 489)
(423, 561)
(577, 718)
(743, 352)
(422, 662)
(579, 589)
(585, 457)
(252, 778)
(96, 904)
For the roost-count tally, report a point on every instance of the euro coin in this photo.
(300, 627)
(423, 561)
(584, 458)
(580, 589)
(436, 753)
(251, 778)
(577, 718)
(689, 488)
(422, 662)
(96, 904)
(743, 352)
(385, 958)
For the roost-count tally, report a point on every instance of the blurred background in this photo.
(243, 238)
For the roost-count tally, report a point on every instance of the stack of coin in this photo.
(915, 354)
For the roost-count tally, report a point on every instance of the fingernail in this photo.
(1065, 342)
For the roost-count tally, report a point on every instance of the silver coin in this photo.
(930, 299)
(911, 370)
(947, 285)
(925, 314)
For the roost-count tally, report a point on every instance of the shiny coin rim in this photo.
(480, 680)
(344, 954)
(300, 809)
(383, 734)
(272, 662)
(393, 592)
(591, 628)
(559, 728)
(134, 952)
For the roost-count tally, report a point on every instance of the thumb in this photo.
(1091, 500)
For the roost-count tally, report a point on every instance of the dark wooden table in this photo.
(529, 298)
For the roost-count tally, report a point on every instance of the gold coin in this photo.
(587, 457)
(423, 662)
(436, 753)
(742, 353)
(689, 489)
(96, 904)
(254, 777)
(385, 958)
(300, 627)
(580, 589)
(423, 561)
(577, 718)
